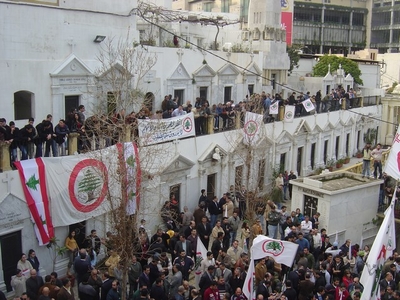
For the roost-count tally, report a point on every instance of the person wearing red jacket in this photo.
(212, 292)
(341, 293)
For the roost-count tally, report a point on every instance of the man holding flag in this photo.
(283, 253)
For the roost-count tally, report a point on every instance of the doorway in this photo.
(70, 103)
(227, 94)
(337, 147)
(326, 151)
(175, 192)
(11, 249)
(310, 205)
(80, 233)
(203, 92)
(312, 158)
(211, 186)
(299, 160)
(282, 163)
(180, 94)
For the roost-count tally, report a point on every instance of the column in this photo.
(390, 128)
(72, 143)
(5, 157)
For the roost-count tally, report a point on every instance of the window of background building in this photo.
(23, 105)
(227, 94)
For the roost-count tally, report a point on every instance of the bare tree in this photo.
(156, 15)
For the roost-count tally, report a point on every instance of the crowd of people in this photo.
(31, 139)
(164, 264)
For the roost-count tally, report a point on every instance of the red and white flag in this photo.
(33, 179)
(308, 105)
(392, 165)
(201, 253)
(249, 288)
(381, 250)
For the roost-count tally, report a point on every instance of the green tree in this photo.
(349, 66)
(294, 56)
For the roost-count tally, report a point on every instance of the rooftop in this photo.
(336, 182)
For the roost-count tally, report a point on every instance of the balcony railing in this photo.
(234, 122)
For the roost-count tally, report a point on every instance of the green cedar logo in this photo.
(273, 247)
(32, 183)
(89, 184)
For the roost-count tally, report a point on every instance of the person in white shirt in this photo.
(306, 226)
(209, 261)
(377, 156)
(178, 111)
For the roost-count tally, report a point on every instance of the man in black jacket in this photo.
(204, 231)
(26, 135)
(157, 291)
(33, 284)
(51, 141)
(43, 135)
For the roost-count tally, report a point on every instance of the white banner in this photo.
(253, 127)
(381, 250)
(162, 130)
(289, 113)
(274, 108)
(81, 186)
(392, 165)
(308, 105)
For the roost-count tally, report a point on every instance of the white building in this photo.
(49, 65)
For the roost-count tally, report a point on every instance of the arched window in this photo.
(23, 103)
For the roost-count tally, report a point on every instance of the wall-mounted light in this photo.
(99, 38)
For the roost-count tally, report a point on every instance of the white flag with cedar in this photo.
(274, 108)
(289, 113)
(392, 165)
(381, 250)
(308, 105)
(249, 287)
(201, 253)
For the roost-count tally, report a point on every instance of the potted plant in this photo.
(329, 164)
(339, 163)
(346, 160)
(359, 154)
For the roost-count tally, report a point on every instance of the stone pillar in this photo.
(237, 120)
(344, 103)
(127, 134)
(73, 143)
(5, 157)
(390, 128)
(281, 113)
(210, 124)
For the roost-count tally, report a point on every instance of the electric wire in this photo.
(247, 70)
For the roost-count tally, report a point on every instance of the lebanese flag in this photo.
(248, 287)
(308, 105)
(33, 179)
